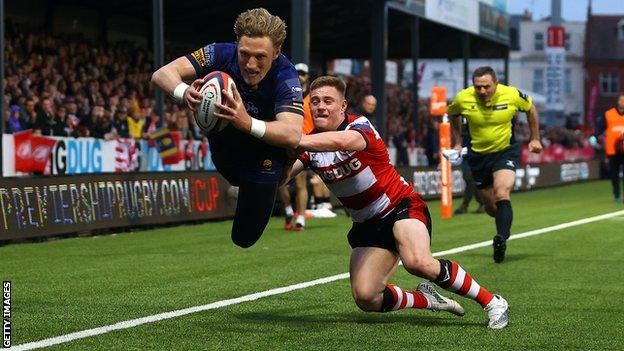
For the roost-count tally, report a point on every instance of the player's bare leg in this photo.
(413, 243)
(301, 200)
(370, 269)
(412, 240)
(323, 207)
(284, 196)
(489, 201)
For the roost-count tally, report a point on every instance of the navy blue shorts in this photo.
(483, 166)
(242, 157)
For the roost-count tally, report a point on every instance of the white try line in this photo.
(251, 297)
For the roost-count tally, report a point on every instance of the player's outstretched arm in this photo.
(285, 130)
(291, 172)
(535, 144)
(347, 140)
(171, 79)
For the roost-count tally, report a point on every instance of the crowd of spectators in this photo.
(67, 86)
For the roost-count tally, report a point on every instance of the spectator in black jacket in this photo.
(47, 121)
(120, 123)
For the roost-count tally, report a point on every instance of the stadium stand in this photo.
(69, 86)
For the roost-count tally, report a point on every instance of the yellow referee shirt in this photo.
(489, 124)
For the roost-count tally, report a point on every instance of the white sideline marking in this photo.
(251, 297)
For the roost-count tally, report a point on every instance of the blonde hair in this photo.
(260, 23)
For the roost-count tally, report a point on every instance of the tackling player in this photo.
(489, 109)
(390, 220)
(265, 113)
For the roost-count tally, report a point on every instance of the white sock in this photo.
(301, 220)
(289, 210)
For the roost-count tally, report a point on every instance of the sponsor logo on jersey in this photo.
(210, 55)
(341, 171)
(295, 87)
(200, 57)
(499, 107)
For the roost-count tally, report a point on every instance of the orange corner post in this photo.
(438, 109)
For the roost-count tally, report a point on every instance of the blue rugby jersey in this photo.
(279, 91)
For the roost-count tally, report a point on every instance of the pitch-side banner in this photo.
(43, 206)
(70, 156)
(426, 180)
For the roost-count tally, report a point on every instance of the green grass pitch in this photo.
(564, 287)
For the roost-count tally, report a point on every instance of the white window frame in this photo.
(567, 81)
(538, 41)
(568, 41)
(538, 80)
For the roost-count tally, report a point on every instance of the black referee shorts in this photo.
(483, 166)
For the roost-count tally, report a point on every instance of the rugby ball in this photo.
(214, 83)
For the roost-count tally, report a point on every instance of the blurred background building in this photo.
(527, 67)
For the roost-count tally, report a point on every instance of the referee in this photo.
(489, 109)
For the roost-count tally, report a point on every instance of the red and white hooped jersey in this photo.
(365, 182)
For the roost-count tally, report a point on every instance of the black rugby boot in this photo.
(500, 245)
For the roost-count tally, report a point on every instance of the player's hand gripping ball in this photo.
(214, 83)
